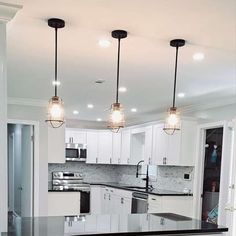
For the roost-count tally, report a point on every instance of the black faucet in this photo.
(147, 176)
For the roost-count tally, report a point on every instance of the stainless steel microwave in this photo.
(76, 152)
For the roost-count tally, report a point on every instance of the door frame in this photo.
(199, 164)
(35, 124)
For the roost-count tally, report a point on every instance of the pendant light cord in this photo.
(118, 73)
(176, 65)
(55, 61)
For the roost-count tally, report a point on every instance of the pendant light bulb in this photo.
(55, 112)
(116, 118)
(172, 122)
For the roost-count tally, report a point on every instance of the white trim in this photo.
(27, 102)
(8, 11)
(36, 158)
(199, 163)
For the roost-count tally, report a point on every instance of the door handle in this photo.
(231, 209)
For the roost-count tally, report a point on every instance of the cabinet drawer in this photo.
(156, 200)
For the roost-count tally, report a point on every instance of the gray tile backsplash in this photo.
(168, 177)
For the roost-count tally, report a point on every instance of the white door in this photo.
(104, 147)
(160, 145)
(79, 137)
(116, 148)
(125, 146)
(227, 179)
(92, 147)
(27, 152)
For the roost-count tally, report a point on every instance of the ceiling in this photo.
(147, 60)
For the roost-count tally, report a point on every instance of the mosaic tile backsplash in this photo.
(167, 177)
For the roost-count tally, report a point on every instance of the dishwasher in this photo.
(139, 203)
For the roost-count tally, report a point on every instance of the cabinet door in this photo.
(173, 151)
(56, 145)
(96, 200)
(69, 136)
(104, 147)
(79, 137)
(148, 145)
(92, 147)
(125, 147)
(116, 148)
(125, 205)
(160, 145)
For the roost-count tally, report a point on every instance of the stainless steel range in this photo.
(72, 181)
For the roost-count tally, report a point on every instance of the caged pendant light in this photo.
(55, 112)
(172, 122)
(116, 118)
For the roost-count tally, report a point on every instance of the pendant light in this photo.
(172, 122)
(55, 112)
(116, 117)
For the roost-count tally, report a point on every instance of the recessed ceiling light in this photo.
(56, 83)
(99, 119)
(181, 95)
(90, 106)
(198, 56)
(122, 89)
(75, 112)
(104, 43)
(133, 109)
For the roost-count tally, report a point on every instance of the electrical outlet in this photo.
(187, 176)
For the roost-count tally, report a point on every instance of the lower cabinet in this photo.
(182, 205)
(63, 203)
(116, 201)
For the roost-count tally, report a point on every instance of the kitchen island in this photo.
(114, 224)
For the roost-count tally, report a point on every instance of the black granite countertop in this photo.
(125, 224)
(159, 192)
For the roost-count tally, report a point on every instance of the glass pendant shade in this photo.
(172, 122)
(116, 117)
(55, 113)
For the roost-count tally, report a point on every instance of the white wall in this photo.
(31, 113)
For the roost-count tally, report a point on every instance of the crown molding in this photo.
(26, 102)
(208, 105)
(8, 11)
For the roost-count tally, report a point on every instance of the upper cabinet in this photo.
(75, 136)
(131, 145)
(56, 145)
(92, 147)
(105, 147)
(177, 149)
(125, 146)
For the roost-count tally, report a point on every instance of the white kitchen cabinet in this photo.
(154, 204)
(105, 147)
(75, 136)
(125, 146)
(63, 203)
(92, 147)
(96, 199)
(56, 145)
(160, 145)
(177, 149)
(182, 205)
(148, 144)
(116, 148)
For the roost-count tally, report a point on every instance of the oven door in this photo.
(72, 153)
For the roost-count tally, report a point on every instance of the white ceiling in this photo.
(147, 60)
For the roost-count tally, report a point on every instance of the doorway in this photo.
(20, 170)
(212, 174)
